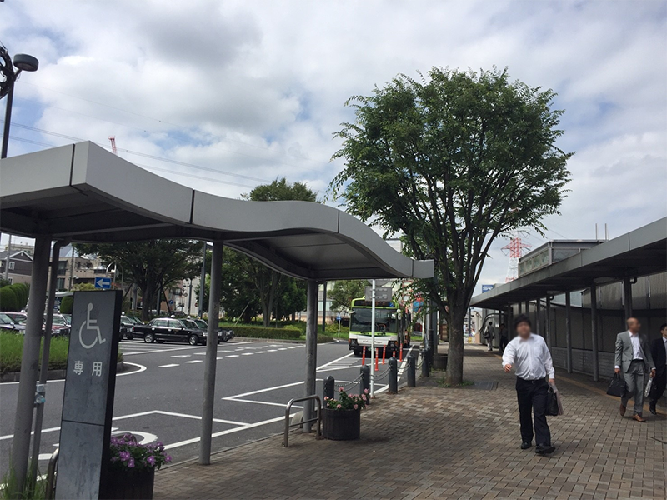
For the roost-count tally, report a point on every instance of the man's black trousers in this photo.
(532, 395)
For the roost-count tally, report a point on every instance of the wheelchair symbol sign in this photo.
(90, 324)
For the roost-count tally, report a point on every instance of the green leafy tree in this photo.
(152, 265)
(238, 296)
(451, 162)
(343, 292)
(269, 284)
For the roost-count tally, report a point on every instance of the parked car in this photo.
(8, 323)
(126, 328)
(172, 330)
(60, 327)
(18, 317)
(224, 334)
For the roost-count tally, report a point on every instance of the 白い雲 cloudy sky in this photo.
(247, 91)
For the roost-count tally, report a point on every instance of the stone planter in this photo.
(440, 362)
(340, 425)
(128, 484)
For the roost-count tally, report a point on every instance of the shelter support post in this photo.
(324, 307)
(627, 298)
(520, 311)
(311, 352)
(210, 363)
(527, 311)
(29, 361)
(547, 323)
(202, 283)
(538, 318)
(594, 332)
(44, 366)
(568, 331)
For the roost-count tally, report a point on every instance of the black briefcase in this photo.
(553, 409)
(617, 386)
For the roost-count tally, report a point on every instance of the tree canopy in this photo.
(450, 162)
(343, 292)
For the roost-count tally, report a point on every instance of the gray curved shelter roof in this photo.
(84, 193)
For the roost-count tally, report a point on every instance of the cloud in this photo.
(256, 89)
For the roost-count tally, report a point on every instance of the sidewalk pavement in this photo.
(436, 442)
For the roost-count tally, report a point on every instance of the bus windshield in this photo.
(385, 320)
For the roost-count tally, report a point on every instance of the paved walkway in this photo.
(434, 442)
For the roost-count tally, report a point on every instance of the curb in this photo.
(51, 374)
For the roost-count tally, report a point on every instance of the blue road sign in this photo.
(487, 288)
(103, 283)
(171, 302)
(338, 318)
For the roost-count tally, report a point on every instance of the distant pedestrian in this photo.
(504, 338)
(530, 356)
(633, 357)
(659, 354)
(489, 334)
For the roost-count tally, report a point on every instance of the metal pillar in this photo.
(44, 367)
(8, 117)
(9, 251)
(627, 298)
(31, 342)
(373, 341)
(568, 331)
(311, 352)
(594, 332)
(324, 307)
(527, 313)
(520, 308)
(202, 284)
(547, 323)
(538, 310)
(210, 362)
(328, 388)
(393, 375)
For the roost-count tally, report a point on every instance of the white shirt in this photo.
(637, 352)
(531, 358)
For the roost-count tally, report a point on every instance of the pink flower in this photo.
(338, 406)
(356, 407)
(341, 389)
(365, 391)
(326, 398)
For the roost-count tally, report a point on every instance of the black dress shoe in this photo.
(526, 444)
(542, 449)
(651, 408)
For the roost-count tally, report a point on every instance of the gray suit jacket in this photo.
(625, 353)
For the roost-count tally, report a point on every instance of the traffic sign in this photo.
(103, 283)
(338, 318)
(487, 288)
(382, 294)
(171, 302)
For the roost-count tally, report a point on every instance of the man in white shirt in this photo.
(659, 354)
(530, 356)
(633, 357)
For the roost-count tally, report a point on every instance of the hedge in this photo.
(287, 333)
(8, 299)
(67, 304)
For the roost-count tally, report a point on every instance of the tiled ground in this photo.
(433, 442)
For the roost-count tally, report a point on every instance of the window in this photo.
(11, 265)
(173, 323)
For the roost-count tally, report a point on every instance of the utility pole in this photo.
(202, 283)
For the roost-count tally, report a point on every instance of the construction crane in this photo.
(112, 139)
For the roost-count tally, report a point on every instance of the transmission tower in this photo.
(515, 249)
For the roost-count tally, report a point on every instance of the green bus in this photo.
(390, 328)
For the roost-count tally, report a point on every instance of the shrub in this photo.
(21, 290)
(8, 299)
(67, 304)
(287, 333)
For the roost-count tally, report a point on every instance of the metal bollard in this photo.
(425, 363)
(412, 363)
(393, 375)
(365, 382)
(328, 387)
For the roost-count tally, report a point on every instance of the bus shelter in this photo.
(83, 193)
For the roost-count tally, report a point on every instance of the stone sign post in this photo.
(89, 391)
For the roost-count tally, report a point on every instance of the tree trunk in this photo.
(456, 343)
(147, 301)
(266, 315)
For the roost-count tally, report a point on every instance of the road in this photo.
(161, 397)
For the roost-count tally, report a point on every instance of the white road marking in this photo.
(195, 361)
(400, 370)
(232, 356)
(185, 415)
(142, 368)
(282, 349)
(269, 403)
(266, 389)
(228, 431)
(182, 356)
(272, 350)
(248, 353)
(168, 366)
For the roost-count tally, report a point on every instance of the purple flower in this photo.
(151, 460)
(124, 456)
(167, 458)
(131, 462)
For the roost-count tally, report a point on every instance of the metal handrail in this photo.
(319, 417)
(51, 476)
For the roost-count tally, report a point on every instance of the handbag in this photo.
(554, 409)
(617, 386)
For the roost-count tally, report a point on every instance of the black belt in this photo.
(637, 359)
(532, 381)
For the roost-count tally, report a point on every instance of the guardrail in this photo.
(51, 477)
(318, 418)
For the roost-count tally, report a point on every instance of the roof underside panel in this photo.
(84, 193)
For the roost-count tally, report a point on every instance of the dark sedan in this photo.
(171, 330)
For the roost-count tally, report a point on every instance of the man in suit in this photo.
(633, 357)
(659, 354)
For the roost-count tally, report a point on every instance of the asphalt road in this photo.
(161, 397)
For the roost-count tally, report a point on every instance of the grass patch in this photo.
(11, 352)
(32, 490)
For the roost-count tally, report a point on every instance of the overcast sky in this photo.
(247, 91)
